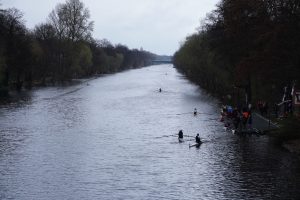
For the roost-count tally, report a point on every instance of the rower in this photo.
(159, 89)
(180, 134)
(195, 111)
(198, 141)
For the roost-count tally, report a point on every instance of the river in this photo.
(110, 138)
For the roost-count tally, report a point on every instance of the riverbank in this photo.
(10, 92)
(285, 131)
(13, 95)
(288, 134)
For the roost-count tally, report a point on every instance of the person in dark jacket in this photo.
(180, 134)
(198, 141)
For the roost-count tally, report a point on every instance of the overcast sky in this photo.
(155, 25)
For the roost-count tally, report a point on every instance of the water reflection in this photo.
(112, 139)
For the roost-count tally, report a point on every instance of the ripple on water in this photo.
(113, 140)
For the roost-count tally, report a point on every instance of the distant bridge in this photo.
(159, 62)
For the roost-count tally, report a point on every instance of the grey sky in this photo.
(156, 25)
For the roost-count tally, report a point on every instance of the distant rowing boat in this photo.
(180, 140)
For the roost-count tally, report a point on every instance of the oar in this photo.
(166, 136)
(203, 140)
(184, 113)
(189, 136)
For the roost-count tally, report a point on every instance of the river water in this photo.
(110, 138)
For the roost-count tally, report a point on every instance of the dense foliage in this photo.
(60, 49)
(248, 45)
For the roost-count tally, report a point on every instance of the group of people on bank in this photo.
(240, 119)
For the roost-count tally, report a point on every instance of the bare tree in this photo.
(71, 21)
(56, 20)
(14, 20)
(44, 31)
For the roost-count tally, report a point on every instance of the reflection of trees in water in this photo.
(16, 99)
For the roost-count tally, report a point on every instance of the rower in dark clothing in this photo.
(198, 141)
(180, 134)
(195, 111)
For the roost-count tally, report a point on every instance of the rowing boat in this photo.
(180, 140)
(197, 145)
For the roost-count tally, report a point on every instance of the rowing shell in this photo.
(195, 145)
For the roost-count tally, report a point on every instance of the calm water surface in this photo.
(109, 138)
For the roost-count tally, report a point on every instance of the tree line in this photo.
(248, 45)
(60, 49)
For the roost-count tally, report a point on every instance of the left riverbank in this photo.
(49, 54)
(12, 96)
